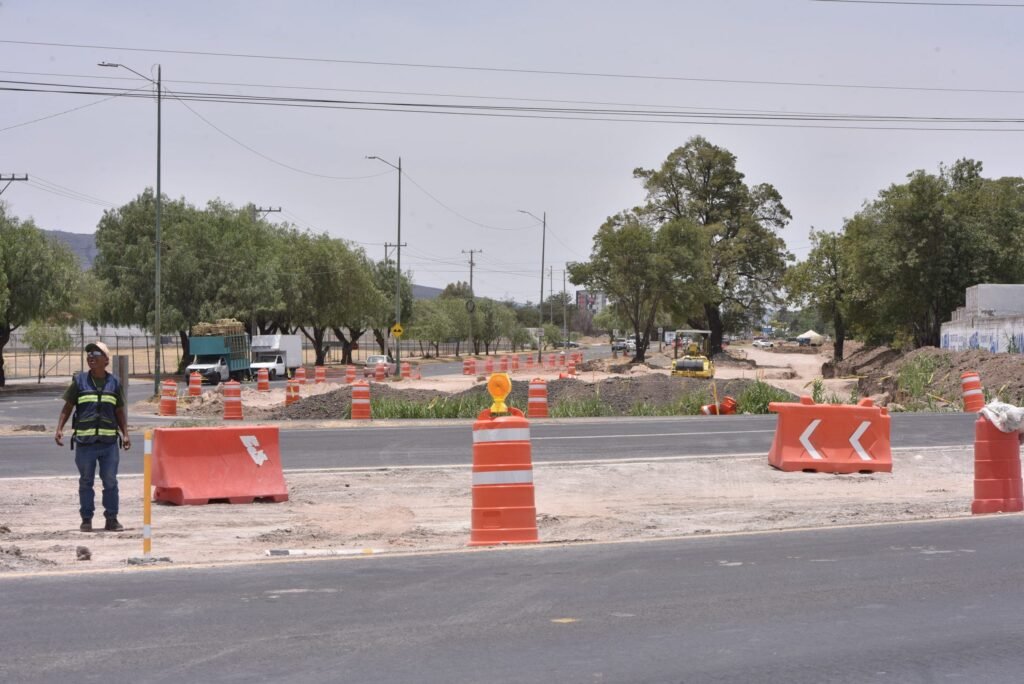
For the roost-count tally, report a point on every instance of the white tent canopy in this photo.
(811, 336)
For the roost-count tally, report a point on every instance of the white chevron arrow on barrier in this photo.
(855, 440)
(805, 439)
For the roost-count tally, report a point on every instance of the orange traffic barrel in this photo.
(974, 396)
(504, 511)
(515, 362)
(321, 374)
(360, 401)
(300, 375)
(168, 398)
(726, 407)
(406, 370)
(551, 361)
(262, 380)
(350, 374)
(537, 399)
(489, 366)
(195, 385)
(529, 362)
(380, 372)
(232, 400)
(997, 473)
(572, 367)
(503, 364)
(469, 366)
(291, 392)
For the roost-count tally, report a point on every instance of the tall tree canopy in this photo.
(699, 183)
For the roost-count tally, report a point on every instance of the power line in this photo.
(68, 111)
(928, 4)
(488, 69)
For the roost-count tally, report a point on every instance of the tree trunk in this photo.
(714, 317)
(5, 337)
(837, 346)
(378, 335)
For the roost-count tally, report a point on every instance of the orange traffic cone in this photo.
(504, 511)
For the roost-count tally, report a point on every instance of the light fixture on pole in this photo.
(543, 239)
(156, 277)
(398, 262)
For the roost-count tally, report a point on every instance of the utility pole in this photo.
(540, 304)
(551, 290)
(471, 252)
(256, 211)
(387, 247)
(10, 178)
(565, 318)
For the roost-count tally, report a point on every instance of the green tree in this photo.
(384, 274)
(820, 281)
(431, 323)
(40, 275)
(643, 270)
(699, 183)
(44, 337)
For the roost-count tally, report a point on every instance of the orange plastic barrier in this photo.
(262, 380)
(300, 375)
(997, 477)
(406, 370)
(350, 374)
(320, 375)
(469, 366)
(197, 465)
(537, 399)
(168, 398)
(504, 511)
(974, 395)
(361, 401)
(195, 385)
(726, 407)
(232, 400)
(830, 438)
(291, 392)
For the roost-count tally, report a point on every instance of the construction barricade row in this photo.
(831, 438)
(235, 464)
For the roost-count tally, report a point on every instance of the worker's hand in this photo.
(58, 437)
(126, 443)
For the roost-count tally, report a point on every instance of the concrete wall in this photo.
(992, 319)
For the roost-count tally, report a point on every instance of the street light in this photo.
(156, 277)
(543, 239)
(398, 261)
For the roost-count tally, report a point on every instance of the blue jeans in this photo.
(86, 458)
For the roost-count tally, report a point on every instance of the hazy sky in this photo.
(723, 57)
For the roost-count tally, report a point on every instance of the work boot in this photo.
(86, 525)
(113, 526)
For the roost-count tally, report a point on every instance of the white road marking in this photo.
(647, 435)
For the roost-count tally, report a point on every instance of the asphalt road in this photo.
(565, 440)
(907, 603)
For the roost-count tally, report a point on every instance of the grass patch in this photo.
(580, 408)
(756, 397)
(442, 407)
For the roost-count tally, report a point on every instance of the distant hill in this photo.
(84, 247)
(82, 244)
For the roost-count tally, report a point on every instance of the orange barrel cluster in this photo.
(232, 401)
(380, 372)
(262, 380)
(726, 407)
(291, 392)
(361, 401)
(406, 370)
(469, 367)
(168, 398)
(300, 375)
(321, 375)
(195, 385)
(350, 374)
(997, 477)
(504, 511)
(537, 399)
(974, 396)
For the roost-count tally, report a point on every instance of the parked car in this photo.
(370, 369)
(763, 343)
(569, 343)
(619, 345)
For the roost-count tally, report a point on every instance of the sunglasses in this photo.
(96, 355)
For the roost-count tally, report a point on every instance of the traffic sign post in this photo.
(397, 330)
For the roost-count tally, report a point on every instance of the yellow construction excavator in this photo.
(696, 359)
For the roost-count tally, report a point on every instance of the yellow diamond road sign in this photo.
(397, 330)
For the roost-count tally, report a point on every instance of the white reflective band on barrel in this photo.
(360, 401)
(537, 387)
(503, 477)
(537, 400)
(968, 393)
(232, 398)
(147, 446)
(970, 379)
(502, 435)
